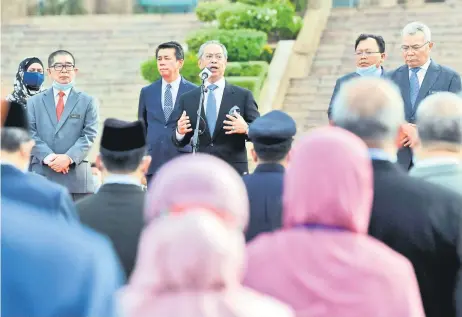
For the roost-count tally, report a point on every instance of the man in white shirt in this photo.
(418, 78)
(439, 158)
(63, 124)
(227, 112)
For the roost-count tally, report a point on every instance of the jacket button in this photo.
(211, 144)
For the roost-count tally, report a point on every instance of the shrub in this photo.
(288, 24)
(242, 16)
(246, 69)
(251, 83)
(58, 7)
(206, 11)
(242, 45)
(190, 70)
(267, 54)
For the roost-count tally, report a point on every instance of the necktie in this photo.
(414, 85)
(168, 102)
(60, 105)
(211, 110)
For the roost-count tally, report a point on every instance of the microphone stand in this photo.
(195, 139)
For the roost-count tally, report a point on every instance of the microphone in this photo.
(205, 73)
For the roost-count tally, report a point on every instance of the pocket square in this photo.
(234, 109)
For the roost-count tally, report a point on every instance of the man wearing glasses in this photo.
(369, 56)
(418, 78)
(63, 124)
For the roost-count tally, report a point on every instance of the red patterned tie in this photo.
(60, 105)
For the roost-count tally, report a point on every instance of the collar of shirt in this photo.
(66, 92)
(220, 84)
(175, 84)
(10, 164)
(423, 68)
(381, 155)
(121, 179)
(434, 161)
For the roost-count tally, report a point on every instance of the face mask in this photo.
(33, 79)
(59, 86)
(367, 71)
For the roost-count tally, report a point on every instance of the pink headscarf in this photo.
(199, 180)
(191, 265)
(322, 262)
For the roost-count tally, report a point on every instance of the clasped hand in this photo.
(60, 163)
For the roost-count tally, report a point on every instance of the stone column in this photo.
(415, 3)
(114, 6)
(377, 3)
(316, 4)
(13, 9)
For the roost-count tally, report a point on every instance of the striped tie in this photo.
(168, 102)
(414, 85)
(211, 110)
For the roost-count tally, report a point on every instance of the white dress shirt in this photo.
(218, 93)
(174, 90)
(421, 73)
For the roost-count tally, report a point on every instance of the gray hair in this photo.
(202, 48)
(414, 27)
(13, 138)
(439, 119)
(371, 108)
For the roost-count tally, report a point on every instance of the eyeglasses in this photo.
(60, 67)
(209, 57)
(406, 48)
(366, 53)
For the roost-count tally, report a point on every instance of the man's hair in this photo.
(380, 41)
(371, 108)
(272, 153)
(439, 119)
(13, 138)
(122, 162)
(414, 27)
(203, 46)
(179, 53)
(51, 58)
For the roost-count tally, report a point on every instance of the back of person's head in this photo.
(439, 122)
(371, 108)
(198, 180)
(329, 181)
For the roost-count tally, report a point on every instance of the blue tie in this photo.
(414, 85)
(211, 110)
(168, 102)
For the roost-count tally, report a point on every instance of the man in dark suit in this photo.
(17, 183)
(418, 219)
(158, 105)
(116, 210)
(418, 78)
(227, 111)
(369, 56)
(272, 136)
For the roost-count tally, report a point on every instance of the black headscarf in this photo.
(21, 92)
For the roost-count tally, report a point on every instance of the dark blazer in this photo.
(116, 210)
(264, 188)
(438, 78)
(338, 85)
(230, 148)
(422, 221)
(159, 131)
(35, 190)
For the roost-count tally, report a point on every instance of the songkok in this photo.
(273, 128)
(121, 136)
(16, 116)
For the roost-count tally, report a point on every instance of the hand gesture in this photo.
(236, 124)
(409, 134)
(60, 163)
(183, 125)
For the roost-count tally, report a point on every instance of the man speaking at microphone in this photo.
(226, 114)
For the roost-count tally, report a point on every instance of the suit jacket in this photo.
(231, 148)
(448, 175)
(264, 188)
(159, 131)
(437, 78)
(421, 221)
(338, 85)
(35, 190)
(116, 210)
(50, 270)
(73, 135)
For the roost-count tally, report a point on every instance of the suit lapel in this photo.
(68, 107)
(431, 75)
(225, 106)
(156, 100)
(403, 82)
(49, 102)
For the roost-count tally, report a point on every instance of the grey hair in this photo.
(13, 138)
(202, 48)
(439, 119)
(371, 108)
(414, 27)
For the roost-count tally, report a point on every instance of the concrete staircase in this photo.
(108, 51)
(308, 98)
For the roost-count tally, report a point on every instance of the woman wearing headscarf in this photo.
(191, 265)
(322, 263)
(199, 180)
(29, 80)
